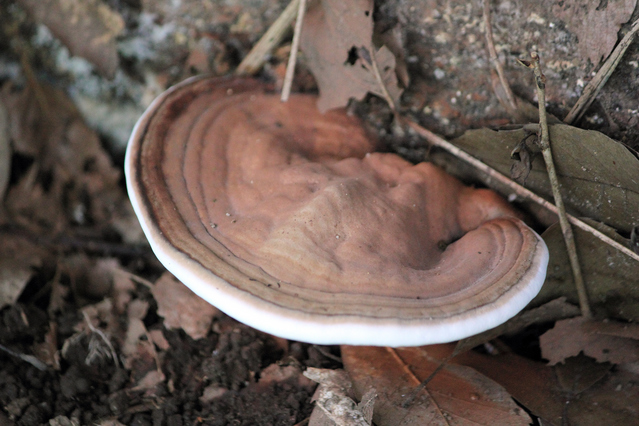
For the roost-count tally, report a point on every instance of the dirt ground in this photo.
(83, 340)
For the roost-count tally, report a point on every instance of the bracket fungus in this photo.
(288, 221)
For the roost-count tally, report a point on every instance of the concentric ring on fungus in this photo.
(288, 221)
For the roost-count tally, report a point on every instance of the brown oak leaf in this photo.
(337, 44)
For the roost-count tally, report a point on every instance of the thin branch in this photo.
(510, 97)
(493, 177)
(134, 278)
(421, 387)
(292, 59)
(27, 358)
(569, 238)
(592, 89)
(327, 354)
(271, 38)
(408, 401)
(380, 80)
(105, 339)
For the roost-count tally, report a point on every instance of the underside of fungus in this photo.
(287, 220)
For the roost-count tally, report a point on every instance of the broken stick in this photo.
(544, 140)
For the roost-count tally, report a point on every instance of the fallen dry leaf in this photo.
(336, 41)
(181, 308)
(138, 352)
(13, 279)
(333, 405)
(394, 39)
(71, 179)
(47, 351)
(456, 395)
(531, 383)
(96, 23)
(614, 328)
(136, 333)
(610, 276)
(579, 373)
(599, 176)
(91, 345)
(211, 393)
(122, 290)
(157, 336)
(18, 259)
(523, 156)
(150, 380)
(595, 23)
(571, 336)
(611, 400)
(614, 400)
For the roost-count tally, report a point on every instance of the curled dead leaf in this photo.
(456, 393)
(334, 407)
(181, 308)
(98, 24)
(336, 41)
(599, 176)
(610, 276)
(599, 340)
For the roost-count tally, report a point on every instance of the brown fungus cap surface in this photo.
(287, 220)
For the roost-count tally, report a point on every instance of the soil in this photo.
(235, 375)
(91, 390)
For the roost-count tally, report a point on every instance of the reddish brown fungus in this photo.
(288, 220)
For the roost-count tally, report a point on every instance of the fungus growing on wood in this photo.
(288, 221)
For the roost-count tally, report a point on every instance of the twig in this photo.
(105, 339)
(510, 97)
(544, 139)
(271, 38)
(292, 59)
(27, 358)
(416, 390)
(592, 89)
(327, 354)
(380, 80)
(493, 177)
(135, 278)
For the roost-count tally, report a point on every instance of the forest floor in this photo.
(89, 332)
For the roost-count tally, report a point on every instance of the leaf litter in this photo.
(613, 342)
(104, 344)
(456, 395)
(338, 48)
(599, 176)
(152, 356)
(334, 403)
(97, 22)
(557, 395)
(611, 276)
(181, 308)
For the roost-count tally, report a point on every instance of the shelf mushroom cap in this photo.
(288, 221)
